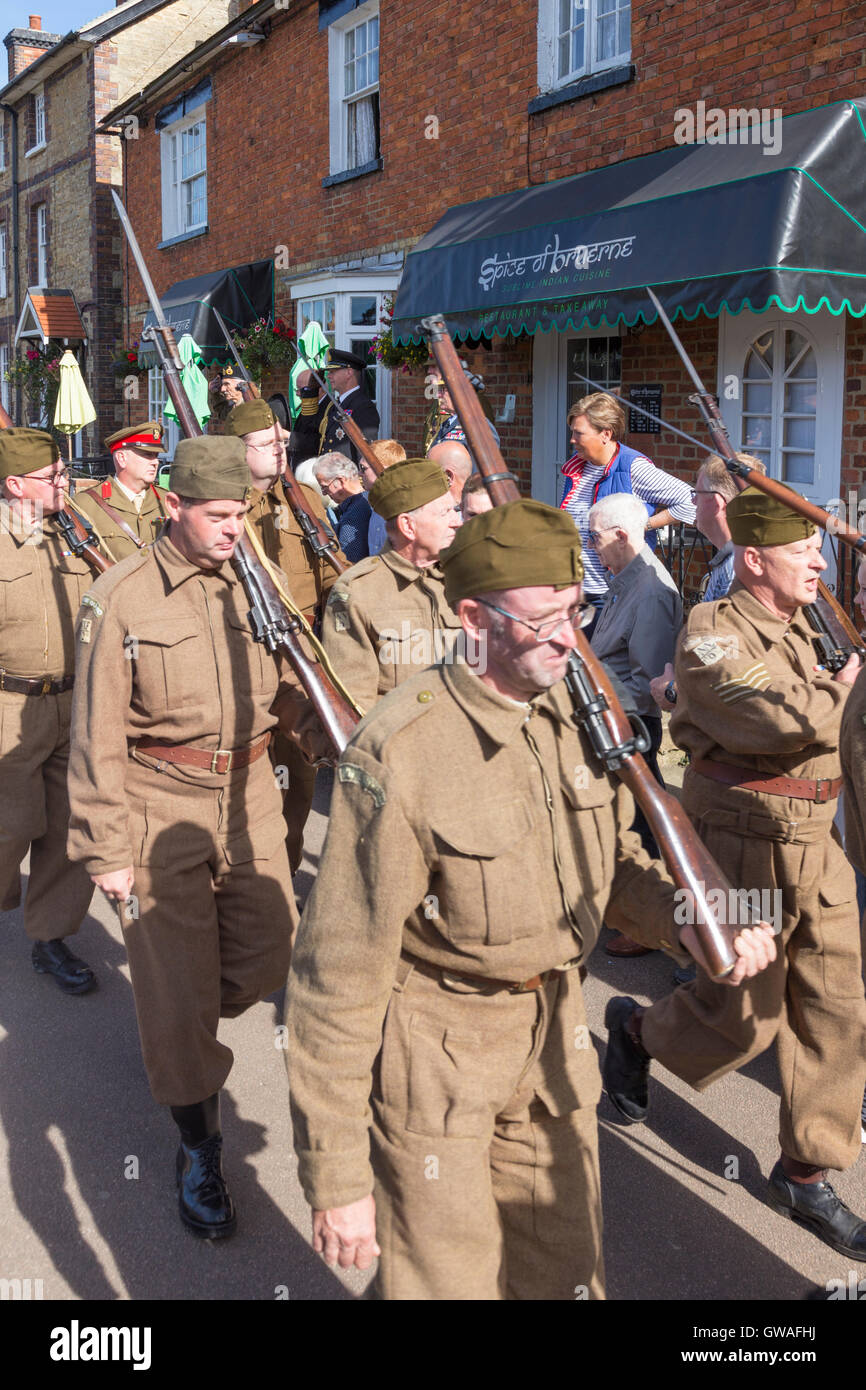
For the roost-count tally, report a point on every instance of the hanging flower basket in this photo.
(37, 373)
(264, 346)
(127, 363)
(404, 357)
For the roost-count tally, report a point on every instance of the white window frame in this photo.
(173, 201)
(2, 141)
(156, 398)
(4, 286)
(5, 386)
(341, 290)
(337, 101)
(39, 140)
(548, 44)
(550, 406)
(41, 246)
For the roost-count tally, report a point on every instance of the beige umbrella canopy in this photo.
(74, 407)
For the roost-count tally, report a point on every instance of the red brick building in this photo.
(338, 133)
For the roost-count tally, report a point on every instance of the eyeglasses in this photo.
(705, 492)
(54, 477)
(276, 444)
(594, 536)
(545, 632)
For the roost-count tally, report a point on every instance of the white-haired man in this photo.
(341, 483)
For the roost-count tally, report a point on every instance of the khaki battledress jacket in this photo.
(309, 578)
(113, 541)
(498, 860)
(386, 619)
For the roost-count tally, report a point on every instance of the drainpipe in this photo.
(16, 273)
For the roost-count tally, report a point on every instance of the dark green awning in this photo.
(242, 294)
(780, 222)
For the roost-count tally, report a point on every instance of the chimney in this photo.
(24, 46)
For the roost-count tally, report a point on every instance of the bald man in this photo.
(455, 461)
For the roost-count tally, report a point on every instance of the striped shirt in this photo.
(654, 487)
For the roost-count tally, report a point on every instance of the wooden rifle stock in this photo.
(270, 621)
(618, 746)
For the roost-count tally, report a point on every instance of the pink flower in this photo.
(32, 355)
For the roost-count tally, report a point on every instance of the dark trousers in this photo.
(653, 724)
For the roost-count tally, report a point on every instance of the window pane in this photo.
(564, 56)
(757, 433)
(605, 43)
(801, 398)
(758, 397)
(624, 43)
(798, 468)
(761, 356)
(799, 433)
(564, 15)
(361, 141)
(795, 343)
(363, 310)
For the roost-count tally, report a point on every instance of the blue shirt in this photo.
(377, 536)
(721, 570)
(353, 520)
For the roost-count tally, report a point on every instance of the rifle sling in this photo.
(116, 518)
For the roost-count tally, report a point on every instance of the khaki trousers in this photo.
(485, 1146)
(209, 928)
(297, 796)
(809, 1001)
(34, 815)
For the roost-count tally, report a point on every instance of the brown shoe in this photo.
(622, 945)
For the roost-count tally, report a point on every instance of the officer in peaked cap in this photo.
(318, 429)
(127, 512)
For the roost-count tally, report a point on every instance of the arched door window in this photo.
(780, 404)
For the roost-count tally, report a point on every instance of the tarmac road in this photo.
(87, 1157)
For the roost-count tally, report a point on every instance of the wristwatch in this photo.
(671, 692)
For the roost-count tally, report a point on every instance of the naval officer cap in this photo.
(521, 545)
(405, 486)
(755, 518)
(24, 451)
(250, 416)
(212, 468)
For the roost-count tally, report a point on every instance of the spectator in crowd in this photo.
(305, 474)
(475, 498)
(601, 465)
(449, 424)
(388, 452)
(455, 461)
(636, 631)
(340, 481)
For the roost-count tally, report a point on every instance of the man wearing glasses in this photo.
(309, 579)
(442, 1077)
(41, 588)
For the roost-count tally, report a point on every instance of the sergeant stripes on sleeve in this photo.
(735, 688)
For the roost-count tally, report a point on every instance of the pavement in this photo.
(86, 1177)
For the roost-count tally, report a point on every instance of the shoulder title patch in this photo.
(91, 603)
(348, 772)
(709, 650)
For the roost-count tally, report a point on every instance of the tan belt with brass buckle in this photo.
(35, 685)
(436, 972)
(800, 788)
(219, 760)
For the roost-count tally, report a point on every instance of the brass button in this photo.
(424, 697)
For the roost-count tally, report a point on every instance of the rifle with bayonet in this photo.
(78, 533)
(271, 623)
(618, 745)
(323, 545)
(836, 636)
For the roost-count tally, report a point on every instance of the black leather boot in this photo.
(816, 1206)
(626, 1064)
(203, 1200)
(72, 975)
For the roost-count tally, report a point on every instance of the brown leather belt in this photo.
(34, 685)
(801, 788)
(436, 972)
(220, 760)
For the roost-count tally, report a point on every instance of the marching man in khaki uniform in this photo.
(127, 511)
(175, 811)
(41, 587)
(761, 721)
(309, 578)
(439, 1054)
(388, 616)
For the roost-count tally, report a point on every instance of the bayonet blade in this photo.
(140, 262)
(674, 337)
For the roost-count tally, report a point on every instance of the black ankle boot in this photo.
(203, 1200)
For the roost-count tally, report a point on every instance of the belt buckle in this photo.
(46, 685)
(2, 680)
(221, 753)
(529, 986)
(819, 783)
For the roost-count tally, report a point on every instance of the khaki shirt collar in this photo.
(177, 569)
(405, 570)
(766, 624)
(497, 716)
